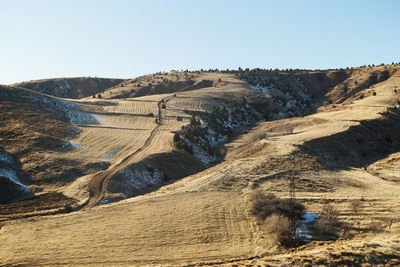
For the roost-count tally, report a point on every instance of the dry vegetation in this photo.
(70, 87)
(344, 153)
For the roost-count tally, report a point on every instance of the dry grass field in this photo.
(344, 151)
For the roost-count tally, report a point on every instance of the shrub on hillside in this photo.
(356, 206)
(257, 137)
(327, 226)
(278, 227)
(177, 138)
(264, 205)
(277, 216)
(185, 146)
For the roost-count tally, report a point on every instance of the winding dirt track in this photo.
(98, 183)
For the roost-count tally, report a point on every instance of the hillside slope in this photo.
(337, 151)
(34, 127)
(70, 87)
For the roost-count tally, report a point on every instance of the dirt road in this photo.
(98, 183)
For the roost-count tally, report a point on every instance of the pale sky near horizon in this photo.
(124, 39)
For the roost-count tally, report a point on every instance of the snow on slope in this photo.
(5, 157)
(139, 179)
(59, 108)
(12, 176)
(9, 173)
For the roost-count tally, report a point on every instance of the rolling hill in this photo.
(158, 170)
(70, 87)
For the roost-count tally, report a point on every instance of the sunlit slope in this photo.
(203, 218)
(70, 87)
(172, 230)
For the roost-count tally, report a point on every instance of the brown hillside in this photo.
(341, 146)
(160, 83)
(70, 87)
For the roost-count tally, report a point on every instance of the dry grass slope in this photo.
(204, 217)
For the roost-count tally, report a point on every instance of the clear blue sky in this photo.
(55, 38)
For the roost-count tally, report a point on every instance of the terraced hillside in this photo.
(182, 151)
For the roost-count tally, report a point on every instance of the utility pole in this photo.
(292, 202)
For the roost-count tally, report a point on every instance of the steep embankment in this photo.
(70, 87)
(11, 188)
(316, 88)
(33, 127)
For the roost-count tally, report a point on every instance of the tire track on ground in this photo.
(98, 183)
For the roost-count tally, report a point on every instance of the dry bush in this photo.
(356, 206)
(346, 231)
(284, 129)
(264, 205)
(278, 228)
(287, 130)
(325, 228)
(330, 212)
(277, 215)
(257, 137)
(327, 225)
(389, 221)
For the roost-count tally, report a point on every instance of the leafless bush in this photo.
(330, 212)
(346, 231)
(257, 137)
(278, 227)
(264, 205)
(327, 225)
(356, 206)
(277, 216)
(284, 129)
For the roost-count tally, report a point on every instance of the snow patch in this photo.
(303, 231)
(201, 155)
(139, 179)
(54, 105)
(12, 176)
(78, 117)
(72, 145)
(100, 119)
(76, 144)
(64, 84)
(109, 155)
(103, 201)
(265, 90)
(5, 157)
